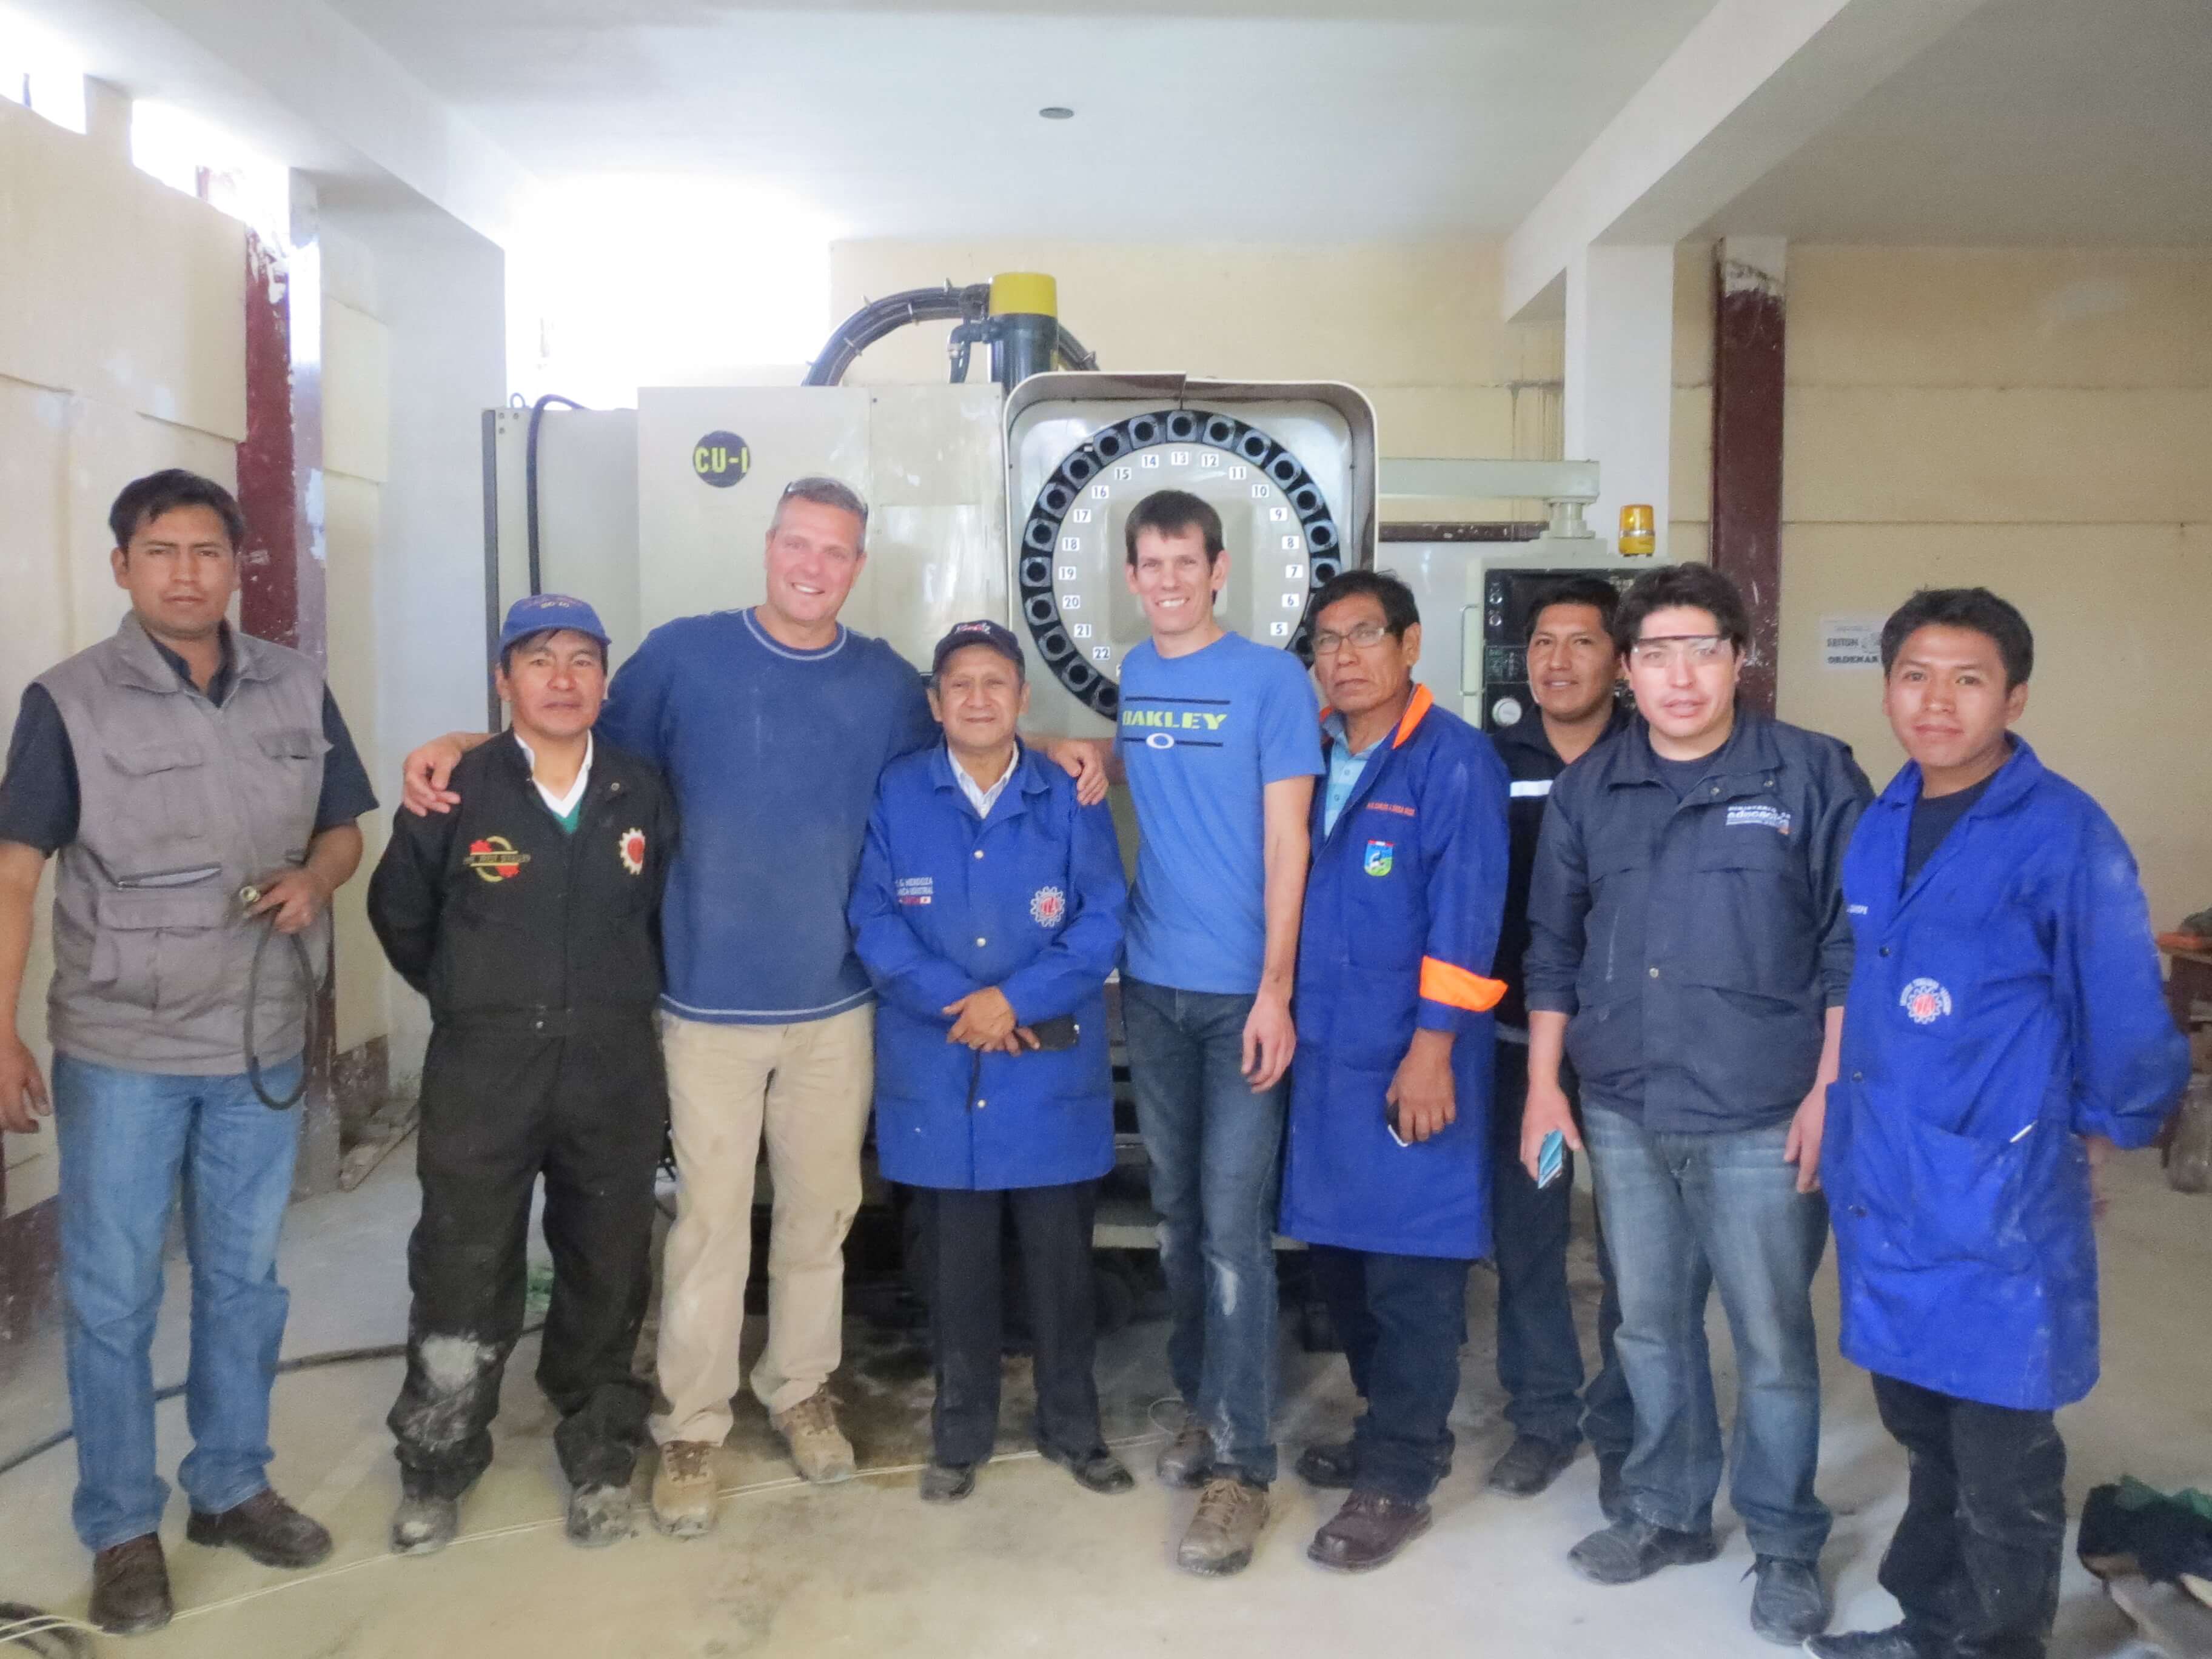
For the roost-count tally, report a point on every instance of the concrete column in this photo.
(1618, 408)
(1747, 396)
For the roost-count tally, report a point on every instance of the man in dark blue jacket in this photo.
(2005, 1031)
(1690, 955)
(1387, 1174)
(987, 911)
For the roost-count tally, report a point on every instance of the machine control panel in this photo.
(1507, 595)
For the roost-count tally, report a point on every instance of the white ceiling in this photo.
(2035, 122)
(1233, 120)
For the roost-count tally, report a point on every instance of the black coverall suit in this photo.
(539, 951)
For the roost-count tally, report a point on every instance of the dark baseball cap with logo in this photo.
(990, 634)
(543, 613)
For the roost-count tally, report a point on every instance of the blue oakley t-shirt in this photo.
(1202, 737)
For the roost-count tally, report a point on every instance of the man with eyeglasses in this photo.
(1690, 955)
(1387, 1177)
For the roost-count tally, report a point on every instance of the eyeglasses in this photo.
(1696, 649)
(1367, 633)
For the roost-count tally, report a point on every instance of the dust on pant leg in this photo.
(442, 1419)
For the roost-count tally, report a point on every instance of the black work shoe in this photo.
(1529, 1464)
(1609, 1465)
(1634, 1548)
(947, 1483)
(424, 1523)
(1328, 1467)
(598, 1516)
(1891, 1643)
(1187, 1460)
(1098, 1470)
(130, 1586)
(1367, 1532)
(267, 1529)
(1790, 1603)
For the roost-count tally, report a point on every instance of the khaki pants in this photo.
(808, 1089)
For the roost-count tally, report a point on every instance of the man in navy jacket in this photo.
(2005, 1031)
(1690, 955)
(1387, 1174)
(987, 911)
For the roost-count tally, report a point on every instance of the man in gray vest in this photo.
(199, 786)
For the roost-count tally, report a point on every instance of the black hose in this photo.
(310, 1018)
(307, 1362)
(530, 484)
(1073, 354)
(890, 313)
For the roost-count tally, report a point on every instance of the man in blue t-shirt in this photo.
(771, 725)
(1220, 743)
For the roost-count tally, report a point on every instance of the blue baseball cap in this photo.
(988, 634)
(541, 613)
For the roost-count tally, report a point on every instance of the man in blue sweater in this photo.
(771, 724)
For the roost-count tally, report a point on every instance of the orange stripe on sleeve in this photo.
(1443, 982)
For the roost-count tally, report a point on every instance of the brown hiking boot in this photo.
(1368, 1531)
(818, 1446)
(1224, 1530)
(130, 1586)
(267, 1529)
(683, 1489)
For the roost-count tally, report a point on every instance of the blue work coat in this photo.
(2004, 1005)
(1401, 915)
(1029, 900)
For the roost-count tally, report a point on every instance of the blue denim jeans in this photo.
(1682, 1214)
(1215, 1149)
(1540, 1359)
(129, 1142)
(1402, 1320)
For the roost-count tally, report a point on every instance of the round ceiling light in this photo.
(1057, 112)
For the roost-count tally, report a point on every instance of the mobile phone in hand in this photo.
(1055, 1035)
(1551, 1159)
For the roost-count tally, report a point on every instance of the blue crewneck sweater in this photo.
(773, 756)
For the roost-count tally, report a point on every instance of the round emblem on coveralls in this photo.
(632, 848)
(495, 858)
(1047, 906)
(1924, 1001)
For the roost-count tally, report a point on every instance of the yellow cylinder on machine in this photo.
(1636, 539)
(1025, 293)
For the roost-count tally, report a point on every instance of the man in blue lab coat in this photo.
(2004, 1031)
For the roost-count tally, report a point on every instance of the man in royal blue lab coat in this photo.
(987, 911)
(2005, 1030)
(1387, 1175)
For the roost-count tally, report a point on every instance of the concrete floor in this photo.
(1030, 1563)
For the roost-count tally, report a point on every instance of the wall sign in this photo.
(722, 459)
(1853, 641)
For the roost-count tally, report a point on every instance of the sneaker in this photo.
(1609, 1466)
(1221, 1534)
(598, 1515)
(1529, 1464)
(424, 1523)
(1367, 1532)
(818, 1446)
(1633, 1548)
(130, 1586)
(1098, 1470)
(267, 1529)
(683, 1489)
(1187, 1460)
(1327, 1466)
(1790, 1603)
(947, 1483)
(1891, 1643)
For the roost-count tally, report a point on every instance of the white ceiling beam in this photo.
(1753, 81)
(303, 85)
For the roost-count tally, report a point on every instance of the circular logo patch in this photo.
(1047, 906)
(721, 458)
(1924, 1001)
(495, 858)
(632, 848)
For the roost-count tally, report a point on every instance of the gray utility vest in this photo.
(180, 804)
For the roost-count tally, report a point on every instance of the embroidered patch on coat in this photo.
(1924, 1001)
(1047, 906)
(631, 846)
(1762, 815)
(495, 858)
(1378, 861)
(916, 889)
